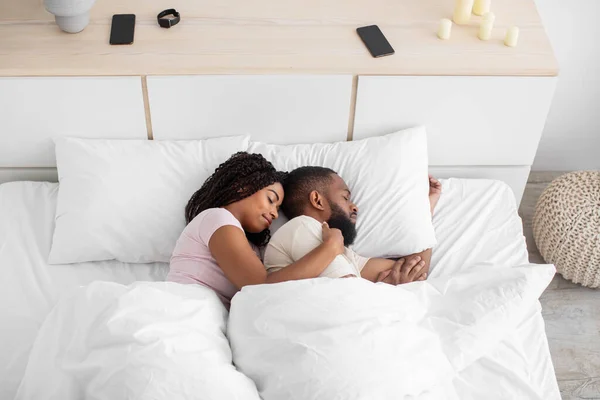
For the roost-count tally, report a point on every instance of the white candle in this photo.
(481, 7)
(462, 11)
(445, 29)
(485, 29)
(512, 37)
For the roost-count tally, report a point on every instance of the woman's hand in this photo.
(333, 238)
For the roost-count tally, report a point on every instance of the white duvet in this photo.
(97, 343)
(314, 339)
(352, 339)
(149, 340)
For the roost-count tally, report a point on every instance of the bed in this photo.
(476, 222)
(271, 73)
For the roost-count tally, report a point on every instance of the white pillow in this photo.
(125, 199)
(388, 179)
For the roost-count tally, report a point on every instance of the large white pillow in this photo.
(388, 179)
(125, 199)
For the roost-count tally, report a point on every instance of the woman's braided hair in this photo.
(242, 175)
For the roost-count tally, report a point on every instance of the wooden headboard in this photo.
(294, 72)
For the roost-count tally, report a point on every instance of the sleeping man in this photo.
(317, 195)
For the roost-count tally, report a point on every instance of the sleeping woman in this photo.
(228, 226)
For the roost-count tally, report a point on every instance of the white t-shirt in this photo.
(299, 237)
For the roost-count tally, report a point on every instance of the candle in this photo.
(512, 37)
(481, 7)
(485, 29)
(445, 29)
(462, 11)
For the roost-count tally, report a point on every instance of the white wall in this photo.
(571, 138)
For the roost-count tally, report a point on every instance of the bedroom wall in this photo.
(571, 138)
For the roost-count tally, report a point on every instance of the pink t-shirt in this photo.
(192, 261)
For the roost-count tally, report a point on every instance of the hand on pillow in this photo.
(435, 191)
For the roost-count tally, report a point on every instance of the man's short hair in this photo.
(299, 184)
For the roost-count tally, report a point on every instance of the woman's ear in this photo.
(317, 200)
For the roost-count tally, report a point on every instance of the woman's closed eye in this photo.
(271, 201)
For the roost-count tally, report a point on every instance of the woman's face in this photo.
(260, 209)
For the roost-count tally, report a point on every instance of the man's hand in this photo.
(435, 191)
(405, 270)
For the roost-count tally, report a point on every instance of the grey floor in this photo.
(571, 313)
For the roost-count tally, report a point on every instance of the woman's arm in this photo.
(313, 263)
(230, 248)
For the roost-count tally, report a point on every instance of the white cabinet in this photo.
(478, 127)
(279, 109)
(470, 120)
(35, 110)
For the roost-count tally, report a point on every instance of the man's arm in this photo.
(310, 265)
(376, 266)
(296, 244)
(405, 270)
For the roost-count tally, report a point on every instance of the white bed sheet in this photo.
(475, 221)
(29, 286)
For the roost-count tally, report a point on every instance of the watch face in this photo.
(168, 18)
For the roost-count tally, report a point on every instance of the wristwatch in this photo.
(168, 22)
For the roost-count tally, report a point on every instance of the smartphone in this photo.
(373, 38)
(122, 28)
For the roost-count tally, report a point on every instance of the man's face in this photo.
(343, 211)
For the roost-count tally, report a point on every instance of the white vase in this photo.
(71, 15)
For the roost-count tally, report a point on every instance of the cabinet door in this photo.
(469, 120)
(277, 109)
(35, 110)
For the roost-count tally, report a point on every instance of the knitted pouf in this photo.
(566, 226)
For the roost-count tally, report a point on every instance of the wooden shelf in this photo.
(272, 37)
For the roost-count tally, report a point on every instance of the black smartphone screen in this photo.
(121, 31)
(373, 38)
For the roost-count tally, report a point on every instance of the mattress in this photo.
(476, 221)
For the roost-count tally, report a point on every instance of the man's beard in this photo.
(342, 221)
